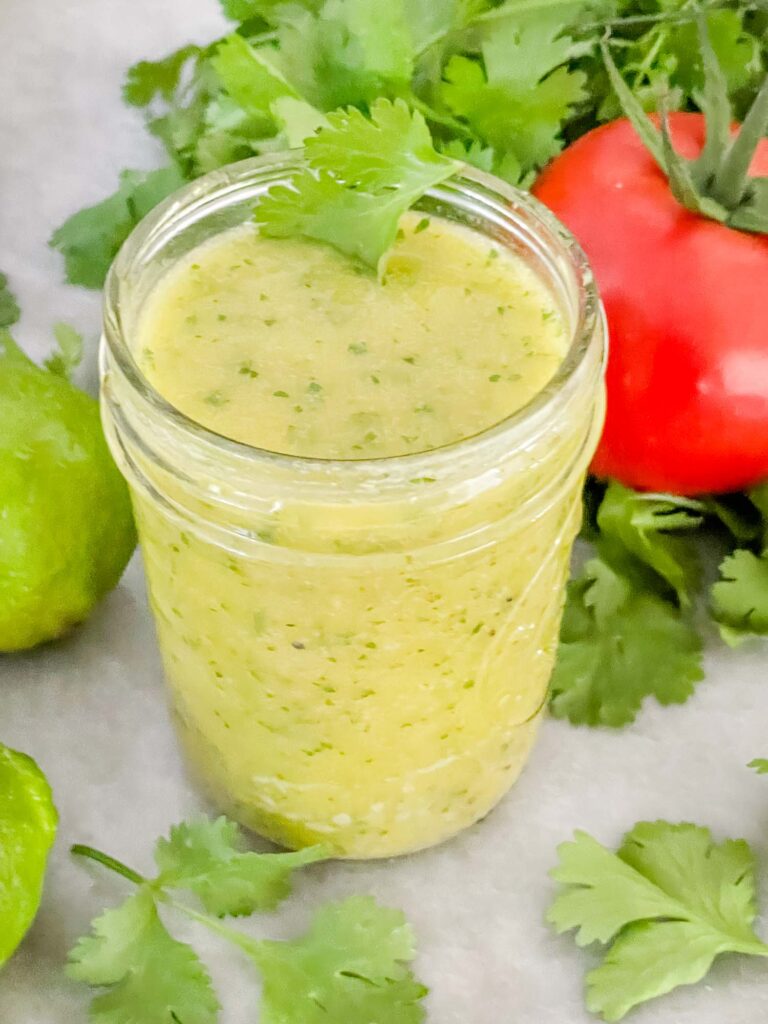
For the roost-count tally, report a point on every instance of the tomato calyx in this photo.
(717, 184)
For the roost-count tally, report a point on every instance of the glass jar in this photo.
(358, 652)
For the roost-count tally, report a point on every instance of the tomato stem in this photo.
(732, 181)
(717, 184)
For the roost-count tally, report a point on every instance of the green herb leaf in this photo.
(149, 79)
(207, 858)
(90, 239)
(70, 350)
(249, 77)
(618, 645)
(670, 901)
(760, 765)
(9, 308)
(351, 966)
(740, 598)
(644, 525)
(519, 98)
(152, 978)
(362, 176)
(351, 52)
(297, 120)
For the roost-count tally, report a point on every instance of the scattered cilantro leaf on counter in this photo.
(9, 308)
(667, 904)
(150, 977)
(69, 350)
(362, 176)
(760, 765)
(352, 964)
(90, 239)
(618, 645)
(208, 859)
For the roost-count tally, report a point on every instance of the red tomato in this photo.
(687, 305)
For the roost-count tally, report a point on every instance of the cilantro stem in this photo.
(680, 17)
(108, 862)
(251, 947)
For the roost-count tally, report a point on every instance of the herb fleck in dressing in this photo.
(334, 684)
(288, 345)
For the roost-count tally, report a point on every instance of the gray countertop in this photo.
(92, 709)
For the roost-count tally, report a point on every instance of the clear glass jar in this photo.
(358, 651)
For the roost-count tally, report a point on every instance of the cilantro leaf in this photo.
(249, 10)
(760, 765)
(740, 598)
(249, 77)
(9, 308)
(90, 239)
(362, 176)
(70, 350)
(149, 79)
(151, 978)
(642, 525)
(206, 857)
(618, 645)
(670, 901)
(350, 966)
(297, 120)
(350, 53)
(474, 153)
(519, 98)
(430, 21)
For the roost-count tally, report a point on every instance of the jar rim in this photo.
(509, 205)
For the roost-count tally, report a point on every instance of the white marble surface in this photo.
(92, 709)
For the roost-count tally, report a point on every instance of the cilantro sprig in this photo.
(351, 965)
(667, 903)
(362, 176)
(630, 628)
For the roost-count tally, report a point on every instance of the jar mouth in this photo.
(483, 197)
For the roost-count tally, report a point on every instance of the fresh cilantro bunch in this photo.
(351, 965)
(492, 82)
(630, 628)
(666, 904)
(502, 85)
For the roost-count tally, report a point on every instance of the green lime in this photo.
(66, 529)
(27, 830)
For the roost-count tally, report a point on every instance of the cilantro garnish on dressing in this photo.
(362, 176)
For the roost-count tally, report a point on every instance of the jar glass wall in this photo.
(358, 651)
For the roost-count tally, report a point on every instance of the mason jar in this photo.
(358, 652)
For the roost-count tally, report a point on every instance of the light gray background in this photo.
(92, 711)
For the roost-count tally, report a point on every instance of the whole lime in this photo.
(27, 829)
(66, 529)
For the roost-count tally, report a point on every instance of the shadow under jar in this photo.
(358, 650)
